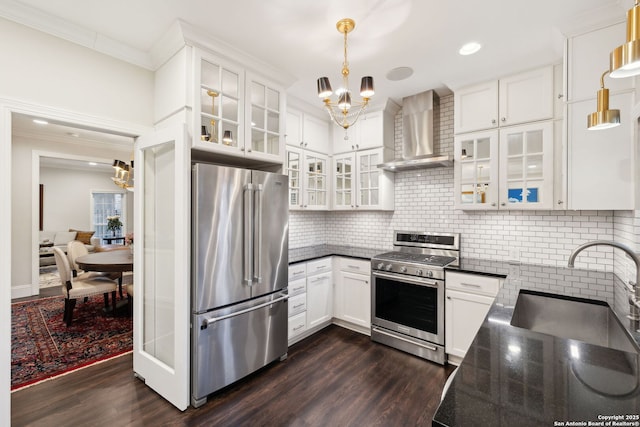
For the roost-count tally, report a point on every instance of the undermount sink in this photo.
(580, 319)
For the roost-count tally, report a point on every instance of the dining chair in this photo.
(76, 249)
(81, 287)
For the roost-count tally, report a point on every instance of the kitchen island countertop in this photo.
(514, 376)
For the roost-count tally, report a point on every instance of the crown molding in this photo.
(64, 29)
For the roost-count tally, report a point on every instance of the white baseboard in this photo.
(21, 291)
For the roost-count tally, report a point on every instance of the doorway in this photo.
(8, 174)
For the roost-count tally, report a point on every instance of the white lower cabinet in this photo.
(353, 293)
(468, 299)
(310, 297)
(319, 299)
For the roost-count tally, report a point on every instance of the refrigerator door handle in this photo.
(205, 323)
(248, 234)
(257, 239)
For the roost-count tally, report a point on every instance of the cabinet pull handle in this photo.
(355, 267)
(560, 96)
(493, 121)
(298, 305)
(448, 297)
(493, 204)
(560, 202)
(298, 327)
(503, 204)
(504, 119)
(471, 285)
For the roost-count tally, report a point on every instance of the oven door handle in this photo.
(408, 279)
(380, 331)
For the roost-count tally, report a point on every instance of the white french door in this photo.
(162, 217)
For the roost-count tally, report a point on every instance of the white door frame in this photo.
(7, 108)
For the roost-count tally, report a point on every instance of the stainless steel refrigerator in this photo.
(240, 233)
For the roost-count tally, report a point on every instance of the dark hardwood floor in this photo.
(336, 377)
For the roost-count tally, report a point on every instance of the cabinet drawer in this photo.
(474, 283)
(297, 271)
(319, 266)
(297, 287)
(353, 265)
(297, 324)
(297, 304)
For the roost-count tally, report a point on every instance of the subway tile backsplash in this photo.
(424, 202)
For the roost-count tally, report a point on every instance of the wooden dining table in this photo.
(107, 262)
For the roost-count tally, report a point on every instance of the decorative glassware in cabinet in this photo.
(219, 106)
(524, 167)
(475, 170)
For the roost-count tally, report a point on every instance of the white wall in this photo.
(42, 69)
(67, 198)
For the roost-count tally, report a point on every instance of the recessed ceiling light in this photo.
(40, 121)
(73, 134)
(470, 48)
(93, 164)
(399, 73)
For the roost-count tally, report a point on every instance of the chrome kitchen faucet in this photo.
(634, 297)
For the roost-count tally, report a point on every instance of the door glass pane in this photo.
(207, 103)
(273, 100)
(374, 178)
(468, 150)
(516, 192)
(468, 172)
(364, 180)
(374, 197)
(483, 148)
(514, 144)
(483, 171)
(364, 197)
(514, 168)
(534, 166)
(210, 75)
(257, 117)
(273, 144)
(258, 94)
(534, 141)
(229, 107)
(257, 140)
(158, 252)
(230, 83)
(273, 122)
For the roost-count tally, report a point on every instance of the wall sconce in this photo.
(624, 60)
(603, 118)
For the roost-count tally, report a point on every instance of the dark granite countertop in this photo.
(309, 253)
(513, 376)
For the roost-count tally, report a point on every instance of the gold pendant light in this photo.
(603, 118)
(342, 112)
(624, 61)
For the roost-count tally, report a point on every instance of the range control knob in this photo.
(419, 272)
(403, 269)
(430, 273)
(388, 267)
(380, 265)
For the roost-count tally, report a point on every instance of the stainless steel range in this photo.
(407, 304)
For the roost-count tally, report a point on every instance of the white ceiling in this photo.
(299, 36)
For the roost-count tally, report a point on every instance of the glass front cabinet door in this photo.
(344, 181)
(308, 179)
(476, 170)
(526, 169)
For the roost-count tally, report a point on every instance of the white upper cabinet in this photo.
(359, 184)
(588, 57)
(515, 99)
(476, 107)
(237, 113)
(307, 131)
(600, 163)
(372, 130)
(308, 179)
(512, 168)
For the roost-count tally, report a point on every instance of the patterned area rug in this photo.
(42, 346)
(49, 276)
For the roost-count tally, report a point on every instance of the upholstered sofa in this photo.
(59, 239)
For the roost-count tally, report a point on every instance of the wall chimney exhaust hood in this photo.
(417, 136)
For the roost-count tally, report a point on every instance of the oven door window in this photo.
(410, 305)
